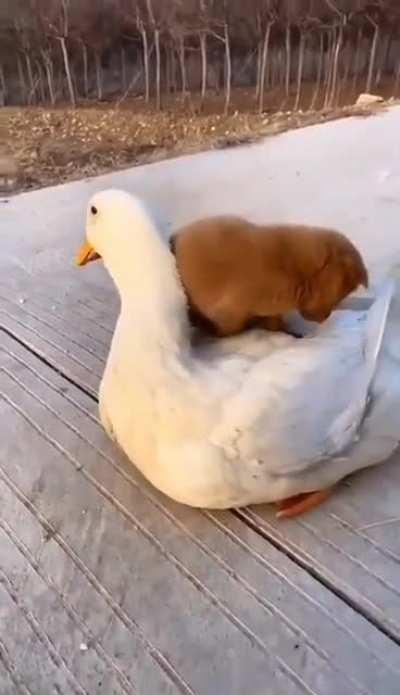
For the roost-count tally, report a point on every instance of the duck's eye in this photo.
(93, 210)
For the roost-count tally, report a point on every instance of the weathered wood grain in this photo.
(167, 599)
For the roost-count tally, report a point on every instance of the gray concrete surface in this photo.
(105, 585)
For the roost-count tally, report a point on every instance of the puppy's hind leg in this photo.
(272, 323)
(227, 316)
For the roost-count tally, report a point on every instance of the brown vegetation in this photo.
(51, 146)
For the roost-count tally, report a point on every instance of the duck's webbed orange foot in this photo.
(299, 504)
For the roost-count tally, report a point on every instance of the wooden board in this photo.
(120, 590)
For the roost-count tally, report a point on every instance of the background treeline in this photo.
(53, 51)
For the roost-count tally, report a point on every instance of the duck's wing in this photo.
(380, 433)
(253, 345)
(305, 403)
(375, 324)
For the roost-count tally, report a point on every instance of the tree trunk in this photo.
(146, 64)
(59, 82)
(3, 87)
(158, 68)
(319, 73)
(368, 85)
(203, 50)
(22, 81)
(300, 70)
(288, 61)
(173, 70)
(282, 69)
(258, 77)
(228, 70)
(273, 72)
(123, 69)
(329, 72)
(397, 80)
(30, 77)
(357, 59)
(167, 70)
(335, 64)
(40, 82)
(182, 63)
(135, 78)
(99, 76)
(68, 72)
(85, 70)
(49, 77)
(386, 62)
(277, 71)
(268, 74)
(381, 60)
(264, 57)
(345, 79)
(75, 82)
(32, 94)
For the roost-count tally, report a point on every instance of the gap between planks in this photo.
(243, 515)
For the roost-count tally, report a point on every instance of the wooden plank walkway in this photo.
(115, 589)
(107, 587)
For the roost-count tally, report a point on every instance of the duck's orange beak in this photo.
(86, 254)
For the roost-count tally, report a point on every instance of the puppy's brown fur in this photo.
(236, 273)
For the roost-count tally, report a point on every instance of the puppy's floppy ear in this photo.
(354, 270)
(341, 275)
(324, 292)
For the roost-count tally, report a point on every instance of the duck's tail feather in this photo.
(379, 431)
(394, 272)
(386, 270)
(376, 323)
(351, 419)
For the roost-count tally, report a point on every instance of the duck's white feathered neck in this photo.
(153, 302)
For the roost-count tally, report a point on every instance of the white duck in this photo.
(256, 418)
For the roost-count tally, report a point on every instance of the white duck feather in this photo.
(255, 418)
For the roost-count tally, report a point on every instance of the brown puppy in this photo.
(236, 273)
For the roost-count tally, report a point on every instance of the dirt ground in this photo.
(52, 146)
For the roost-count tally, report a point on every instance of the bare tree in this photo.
(375, 37)
(25, 40)
(85, 62)
(319, 71)
(55, 20)
(300, 67)
(222, 34)
(52, 49)
(203, 36)
(266, 17)
(336, 54)
(288, 58)
(155, 23)
(49, 68)
(145, 44)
